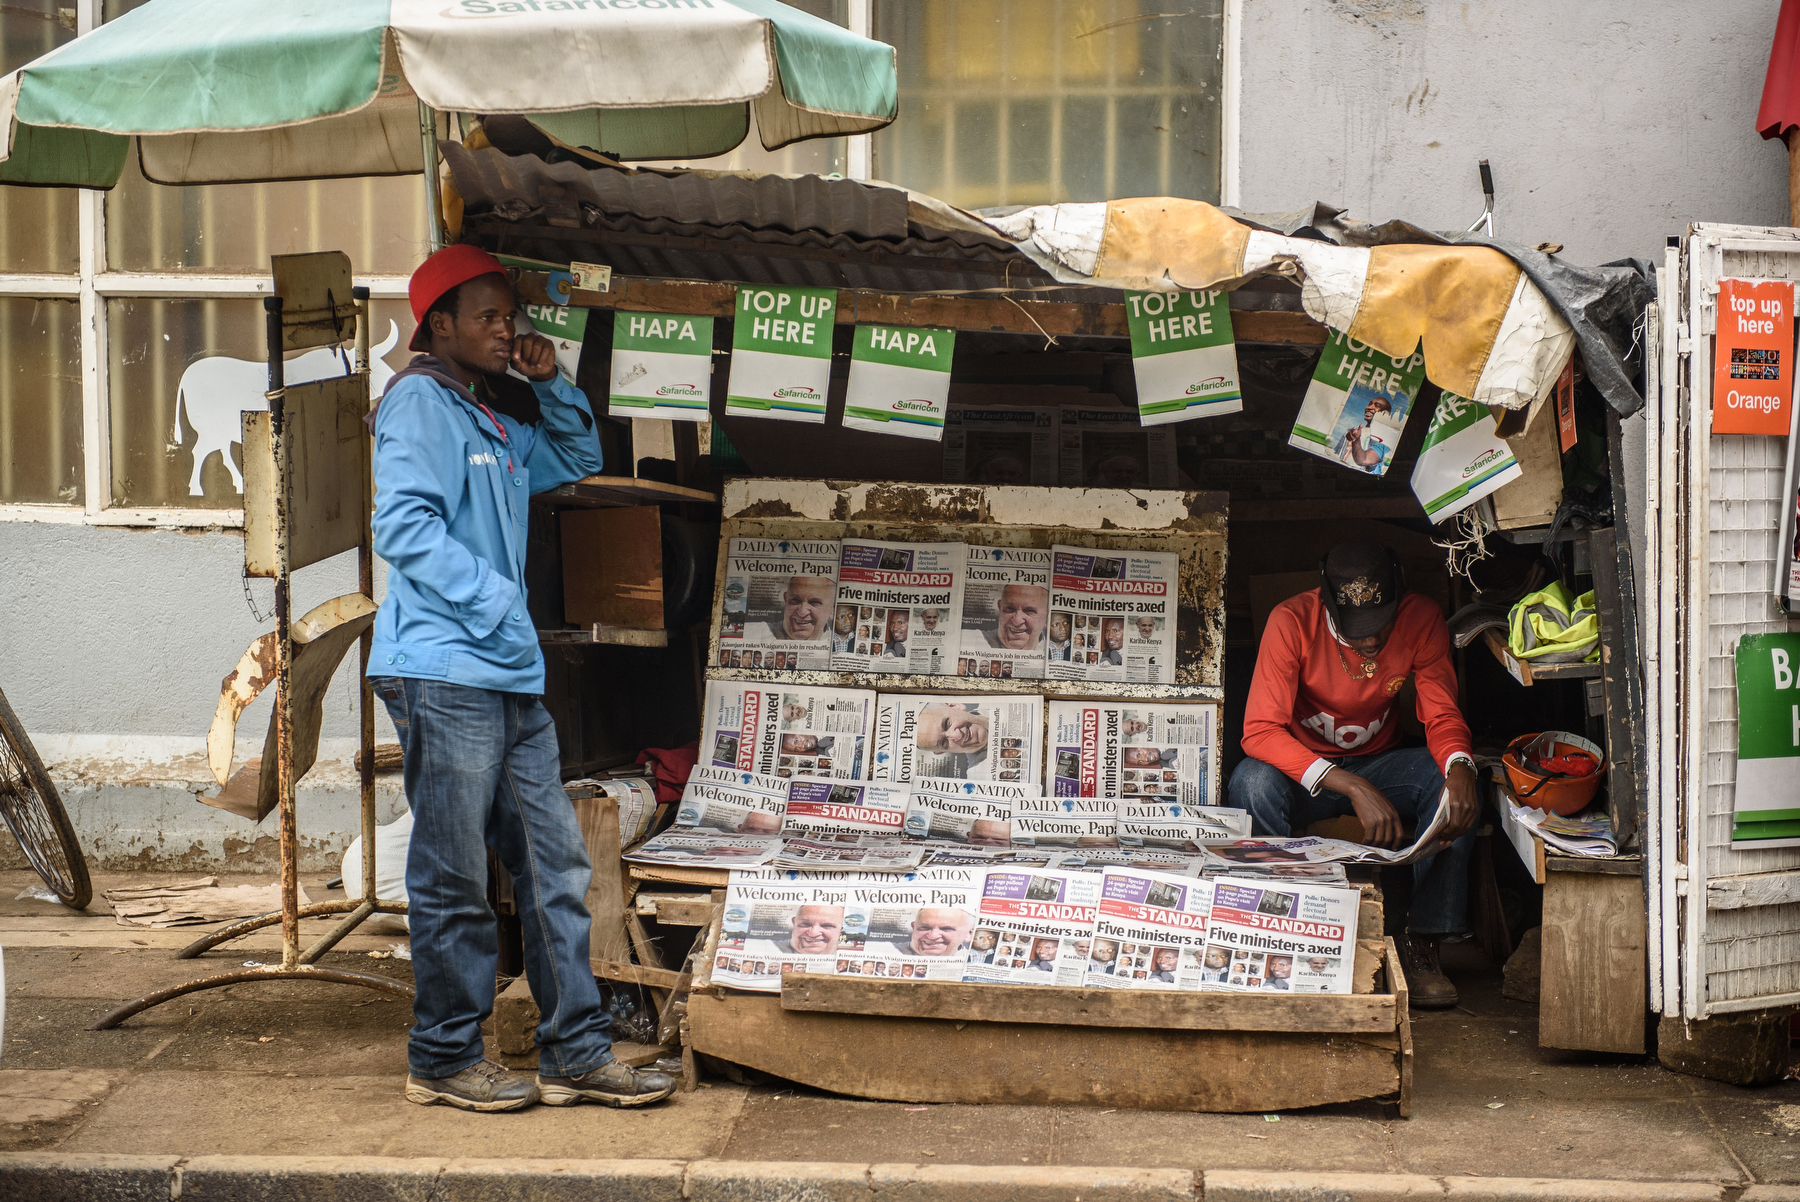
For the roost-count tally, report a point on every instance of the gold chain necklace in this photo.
(1364, 673)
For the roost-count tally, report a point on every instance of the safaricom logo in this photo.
(507, 8)
(803, 394)
(920, 406)
(678, 390)
(1482, 462)
(1212, 385)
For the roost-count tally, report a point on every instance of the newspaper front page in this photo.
(1006, 613)
(1041, 821)
(830, 810)
(1001, 444)
(963, 811)
(1150, 932)
(1103, 859)
(919, 929)
(907, 598)
(867, 855)
(698, 847)
(1280, 938)
(726, 818)
(778, 610)
(1177, 827)
(1033, 926)
(974, 737)
(1119, 610)
(787, 730)
(1139, 752)
(1109, 448)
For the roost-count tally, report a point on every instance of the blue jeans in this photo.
(1412, 783)
(482, 771)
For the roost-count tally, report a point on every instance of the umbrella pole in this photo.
(434, 212)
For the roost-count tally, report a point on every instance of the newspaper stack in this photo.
(1040, 821)
(1284, 938)
(1178, 827)
(1005, 613)
(636, 796)
(1116, 609)
(787, 731)
(726, 819)
(1033, 927)
(1103, 859)
(859, 809)
(867, 855)
(1109, 448)
(907, 599)
(963, 811)
(1140, 752)
(1150, 932)
(993, 737)
(1001, 445)
(1590, 835)
(779, 604)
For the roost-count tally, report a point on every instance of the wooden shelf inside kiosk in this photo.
(601, 633)
(599, 492)
(1527, 673)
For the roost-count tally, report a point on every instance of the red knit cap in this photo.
(437, 275)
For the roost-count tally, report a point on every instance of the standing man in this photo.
(1320, 733)
(456, 661)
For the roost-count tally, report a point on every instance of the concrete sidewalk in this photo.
(287, 1073)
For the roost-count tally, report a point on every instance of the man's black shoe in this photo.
(612, 1084)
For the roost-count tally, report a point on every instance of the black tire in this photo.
(35, 815)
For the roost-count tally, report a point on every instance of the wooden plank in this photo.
(962, 1001)
(1366, 966)
(639, 974)
(709, 949)
(1370, 923)
(677, 909)
(1594, 969)
(669, 874)
(1396, 983)
(1556, 861)
(638, 1055)
(615, 636)
(937, 1060)
(598, 818)
(622, 492)
(1747, 892)
(647, 955)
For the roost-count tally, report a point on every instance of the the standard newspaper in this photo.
(1175, 826)
(1281, 937)
(1119, 607)
(907, 598)
(1139, 752)
(778, 606)
(963, 811)
(787, 730)
(1041, 821)
(1109, 448)
(727, 818)
(1001, 444)
(1006, 613)
(1033, 926)
(995, 737)
(1150, 932)
(859, 809)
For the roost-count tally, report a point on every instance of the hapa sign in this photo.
(1753, 359)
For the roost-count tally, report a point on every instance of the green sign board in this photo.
(1767, 809)
(661, 366)
(1183, 355)
(781, 353)
(900, 381)
(1357, 404)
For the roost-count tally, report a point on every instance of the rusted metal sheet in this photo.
(1192, 524)
(328, 450)
(317, 308)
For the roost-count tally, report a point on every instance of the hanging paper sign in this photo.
(1183, 355)
(661, 366)
(1463, 460)
(899, 381)
(564, 327)
(1753, 370)
(781, 353)
(1767, 809)
(1357, 404)
(1565, 405)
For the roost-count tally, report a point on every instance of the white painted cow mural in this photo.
(216, 391)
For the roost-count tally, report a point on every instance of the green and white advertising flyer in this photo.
(1463, 460)
(1767, 810)
(661, 366)
(1357, 404)
(900, 381)
(1183, 355)
(781, 353)
(563, 326)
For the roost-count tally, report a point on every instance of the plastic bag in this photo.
(391, 844)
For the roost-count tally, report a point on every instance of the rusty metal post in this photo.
(365, 582)
(284, 646)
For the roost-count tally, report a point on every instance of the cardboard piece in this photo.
(612, 567)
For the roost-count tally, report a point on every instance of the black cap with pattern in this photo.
(1361, 586)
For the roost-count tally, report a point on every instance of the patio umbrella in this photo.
(220, 91)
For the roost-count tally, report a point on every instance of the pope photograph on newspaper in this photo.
(778, 608)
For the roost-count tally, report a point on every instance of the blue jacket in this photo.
(450, 520)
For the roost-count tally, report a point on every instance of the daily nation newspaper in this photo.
(787, 731)
(1108, 448)
(963, 811)
(1174, 826)
(993, 737)
(1280, 937)
(907, 598)
(1040, 821)
(855, 809)
(1139, 752)
(1150, 932)
(779, 607)
(867, 855)
(1006, 613)
(1119, 607)
(1001, 445)
(911, 926)
(727, 817)
(1033, 926)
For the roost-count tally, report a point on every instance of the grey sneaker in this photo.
(612, 1084)
(1425, 980)
(484, 1086)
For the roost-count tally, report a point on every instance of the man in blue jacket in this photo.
(456, 661)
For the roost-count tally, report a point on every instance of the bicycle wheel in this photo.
(35, 815)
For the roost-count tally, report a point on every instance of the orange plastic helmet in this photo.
(1553, 786)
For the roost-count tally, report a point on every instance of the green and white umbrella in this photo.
(221, 91)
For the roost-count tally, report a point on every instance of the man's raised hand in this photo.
(534, 357)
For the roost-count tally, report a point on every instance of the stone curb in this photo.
(48, 1177)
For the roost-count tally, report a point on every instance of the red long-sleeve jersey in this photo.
(1304, 706)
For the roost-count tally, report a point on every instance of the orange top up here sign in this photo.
(1753, 362)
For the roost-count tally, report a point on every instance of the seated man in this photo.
(1320, 733)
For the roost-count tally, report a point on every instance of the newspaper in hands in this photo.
(779, 604)
(1280, 938)
(908, 602)
(1139, 752)
(1310, 849)
(1118, 611)
(995, 737)
(786, 730)
(1040, 821)
(1005, 613)
(1150, 932)
(962, 811)
(1033, 926)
